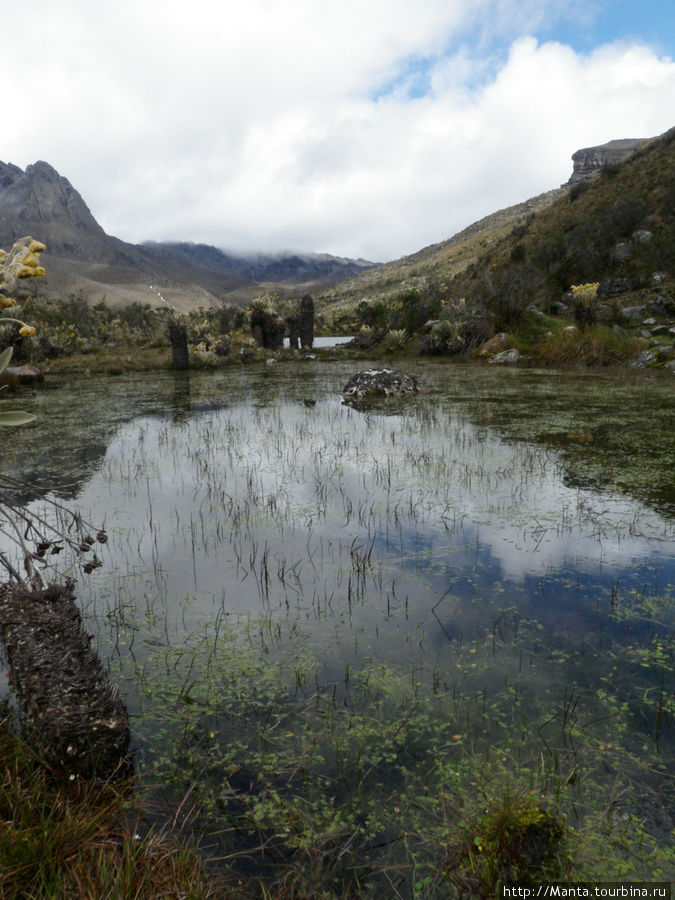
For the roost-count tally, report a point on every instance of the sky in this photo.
(368, 128)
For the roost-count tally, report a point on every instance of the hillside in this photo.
(83, 260)
(619, 227)
(613, 220)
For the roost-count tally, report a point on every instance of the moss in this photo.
(513, 840)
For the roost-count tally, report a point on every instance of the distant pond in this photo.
(370, 609)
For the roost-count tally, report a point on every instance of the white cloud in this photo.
(288, 123)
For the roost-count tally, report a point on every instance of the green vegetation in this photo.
(617, 232)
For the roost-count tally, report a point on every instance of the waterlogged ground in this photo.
(342, 633)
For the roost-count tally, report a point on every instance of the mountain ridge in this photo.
(82, 259)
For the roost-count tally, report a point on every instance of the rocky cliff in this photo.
(40, 201)
(589, 161)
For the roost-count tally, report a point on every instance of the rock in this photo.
(496, 344)
(633, 312)
(570, 329)
(642, 236)
(379, 382)
(506, 357)
(622, 252)
(612, 287)
(649, 321)
(17, 375)
(646, 358)
(659, 329)
(534, 309)
(589, 161)
(659, 305)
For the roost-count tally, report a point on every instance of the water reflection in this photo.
(245, 490)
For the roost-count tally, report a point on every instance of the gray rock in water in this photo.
(379, 382)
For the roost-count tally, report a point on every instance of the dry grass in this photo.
(65, 839)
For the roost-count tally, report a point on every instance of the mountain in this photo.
(82, 259)
(535, 250)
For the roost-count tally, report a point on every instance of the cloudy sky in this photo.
(366, 128)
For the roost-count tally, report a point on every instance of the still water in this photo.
(500, 547)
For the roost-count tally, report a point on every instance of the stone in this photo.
(646, 358)
(612, 287)
(622, 252)
(506, 357)
(14, 376)
(649, 321)
(633, 312)
(642, 236)
(496, 344)
(659, 305)
(379, 382)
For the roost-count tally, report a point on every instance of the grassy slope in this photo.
(536, 250)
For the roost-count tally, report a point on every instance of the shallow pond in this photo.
(355, 614)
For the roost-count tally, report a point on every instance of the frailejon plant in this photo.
(395, 339)
(24, 528)
(22, 261)
(585, 303)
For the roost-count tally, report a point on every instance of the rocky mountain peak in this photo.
(40, 201)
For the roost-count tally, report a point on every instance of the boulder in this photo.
(612, 287)
(14, 376)
(496, 344)
(379, 382)
(633, 312)
(660, 305)
(646, 358)
(506, 357)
